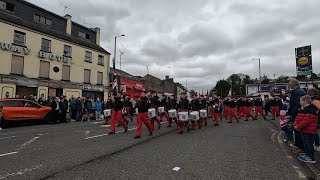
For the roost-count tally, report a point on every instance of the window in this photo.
(30, 104)
(100, 78)
(45, 45)
(44, 69)
(88, 56)
(6, 6)
(67, 51)
(100, 60)
(19, 38)
(66, 73)
(87, 74)
(12, 103)
(17, 64)
(42, 20)
(83, 35)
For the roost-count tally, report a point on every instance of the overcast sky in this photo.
(202, 40)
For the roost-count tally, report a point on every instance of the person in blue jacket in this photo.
(98, 109)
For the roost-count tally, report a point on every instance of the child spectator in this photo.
(284, 119)
(306, 123)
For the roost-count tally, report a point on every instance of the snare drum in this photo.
(203, 113)
(172, 113)
(107, 112)
(152, 113)
(183, 116)
(161, 110)
(194, 116)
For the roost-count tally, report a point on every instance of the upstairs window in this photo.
(19, 38)
(100, 60)
(83, 35)
(45, 45)
(42, 20)
(67, 51)
(88, 56)
(6, 6)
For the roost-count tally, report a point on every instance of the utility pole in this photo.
(121, 53)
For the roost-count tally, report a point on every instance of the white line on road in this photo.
(24, 145)
(7, 154)
(7, 137)
(105, 126)
(21, 172)
(101, 135)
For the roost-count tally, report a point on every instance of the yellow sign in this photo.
(303, 61)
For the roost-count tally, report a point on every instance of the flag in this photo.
(115, 83)
(207, 94)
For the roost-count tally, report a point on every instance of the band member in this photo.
(127, 109)
(195, 106)
(154, 101)
(184, 106)
(164, 102)
(248, 107)
(204, 106)
(116, 114)
(143, 107)
(172, 104)
(275, 108)
(259, 108)
(226, 104)
(107, 105)
(216, 112)
(241, 107)
(233, 110)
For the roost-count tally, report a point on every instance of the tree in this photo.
(266, 81)
(222, 88)
(282, 79)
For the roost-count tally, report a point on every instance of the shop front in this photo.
(131, 87)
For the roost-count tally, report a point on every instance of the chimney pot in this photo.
(97, 35)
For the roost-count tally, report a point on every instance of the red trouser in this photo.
(233, 114)
(142, 117)
(117, 117)
(241, 111)
(259, 111)
(162, 115)
(275, 111)
(216, 118)
(226, 109)
(248, 113)
(194, 123)
(211, 113)
(170, 121)
(180, 125)
(152, 122)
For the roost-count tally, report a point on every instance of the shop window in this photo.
(67, 50)
(100, 78)
(45, 45)
(19, 38)
(44, 69)
(6, 6)
(100, 60)
(88, 56)
(17, 64)
(87, 74)
(66, 73)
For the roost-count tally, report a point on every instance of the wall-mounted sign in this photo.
(52, 57)
(303, 60)
(14, 48)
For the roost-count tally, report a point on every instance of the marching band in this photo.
(185, 113)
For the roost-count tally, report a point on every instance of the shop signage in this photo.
(52, 57)
(13, 48)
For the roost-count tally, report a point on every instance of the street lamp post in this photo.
(121, 53)
(114, 56)
(259, 73)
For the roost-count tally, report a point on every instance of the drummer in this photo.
(154, 101)
(128, 109)
(204, 106)
(107, 105)
(164, 103)
(184, 106)
(172, 104)
(142, 116)
(195, 106)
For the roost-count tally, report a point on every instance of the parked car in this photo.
(23, 110)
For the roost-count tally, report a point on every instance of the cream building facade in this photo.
(37, 59)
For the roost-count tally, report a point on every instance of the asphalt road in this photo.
(248, 150)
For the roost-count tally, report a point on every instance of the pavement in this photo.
(248, 150)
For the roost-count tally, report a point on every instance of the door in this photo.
(32, 110)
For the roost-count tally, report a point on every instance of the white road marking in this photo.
(176, 168)
(101, 135)
(21, 172)
(105, 126)
(24, 145)
(7, 137)
(7, 154)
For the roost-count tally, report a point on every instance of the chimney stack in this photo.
(167, 78)
(69, 23)
(97, 35)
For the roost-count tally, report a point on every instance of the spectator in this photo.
(314, 94)
(64, 108)
(98, 109)
(78, 109)
(284, 119)
(72, 106)
(56, 110)
(42, 101)
(87, 107)
(306, 123)
(296, 94)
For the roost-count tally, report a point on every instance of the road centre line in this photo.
(7, 154)
(7, 137)
(101, 135)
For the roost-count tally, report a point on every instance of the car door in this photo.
(32, 110)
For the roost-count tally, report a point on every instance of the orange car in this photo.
(22, 110)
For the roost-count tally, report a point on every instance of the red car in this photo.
(23, 110)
